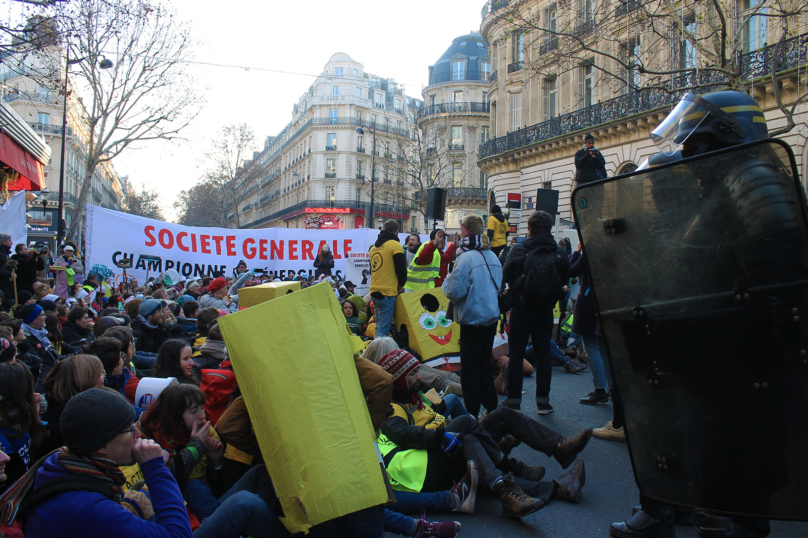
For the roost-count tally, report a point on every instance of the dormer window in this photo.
(463, 44)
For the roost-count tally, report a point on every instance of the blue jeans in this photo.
(413, 503)
(397, 523)
(201, 501)
(384, 310)
(454, 407)
(574, 339)
(557, 354)
(598, 363)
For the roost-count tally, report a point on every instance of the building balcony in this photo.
(353, 206)
(46, 98)
(459, 194)
(431, 152)
(331, 148)
(754, 65)
(584, 28)
(493, 77)
(330, 175)
(360, 150)
(457, 147)
(515, 67)
(548, 45)
(360, 176)
(626, 6)
(491, 6)
(454, 108)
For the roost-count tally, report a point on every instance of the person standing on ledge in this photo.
(497, 230)
(589, 163)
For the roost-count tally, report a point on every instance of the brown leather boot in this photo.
(570, 485)
(566, 451)
(523, 470)
(515, 502)
(508, 443)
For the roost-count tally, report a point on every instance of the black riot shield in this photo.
(700, 272)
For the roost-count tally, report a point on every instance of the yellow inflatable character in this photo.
(433, 338)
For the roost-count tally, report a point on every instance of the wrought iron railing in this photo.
(627, 6)
(350, 120)
(458, 193)
(584, 28)
(341, 204)
(360, 150)
(331, 148)
(47, 98)
(515, 67)
(792, 53)
(330, 175)
(493, 5)
(493, 77)
(548, 45)
(453, 108)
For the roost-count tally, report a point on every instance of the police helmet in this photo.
(729, 117)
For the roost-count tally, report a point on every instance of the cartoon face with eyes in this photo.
(431, 335)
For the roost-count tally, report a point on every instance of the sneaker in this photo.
(515, 502)
(598, 397)
(544, 408)
(533, 473)
(465, 491)
(568, 449)
(516, 406)
(609, 433)
(508, 443)
(438, 529)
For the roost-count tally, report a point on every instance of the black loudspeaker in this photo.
(436, 204)
(547, 200)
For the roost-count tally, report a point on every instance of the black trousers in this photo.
(476, 375)
(525, 324)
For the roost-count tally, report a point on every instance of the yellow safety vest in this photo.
(382, 269)
(500, 229)
(422, 277)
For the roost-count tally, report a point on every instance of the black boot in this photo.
(642, 525)
(712, 526)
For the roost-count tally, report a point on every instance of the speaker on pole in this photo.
(436, 204)
(547, 200)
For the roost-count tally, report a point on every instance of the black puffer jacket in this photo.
(6, 284)
(515, 264)
(72, 333)
(400, 432)
(588, 166)
(149, 339)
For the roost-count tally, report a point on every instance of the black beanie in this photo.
(24, 296)
(93, 418)
(588, 138)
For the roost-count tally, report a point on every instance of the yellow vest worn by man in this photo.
(500, 229)
(383, 277)
(422, 277)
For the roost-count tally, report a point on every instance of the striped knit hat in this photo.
(399, 364)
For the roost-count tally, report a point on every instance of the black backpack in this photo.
(540, 286)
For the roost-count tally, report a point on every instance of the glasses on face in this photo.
(134, 339)
(130, 430)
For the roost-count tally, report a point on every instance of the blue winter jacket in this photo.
(472, 289)
(92, 515)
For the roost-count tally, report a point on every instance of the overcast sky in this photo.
(397, 40)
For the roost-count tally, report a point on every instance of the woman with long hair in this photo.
(174, 360)
(351, 314)
(20, 429)
(69, 377)
(324, 262)
(55, 335)
(176, 421)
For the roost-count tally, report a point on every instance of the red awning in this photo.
(32, 178)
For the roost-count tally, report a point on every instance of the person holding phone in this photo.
(589, 163)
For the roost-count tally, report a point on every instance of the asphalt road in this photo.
(610, 491)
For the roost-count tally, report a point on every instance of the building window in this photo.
(518, 44)
(551, 19)
(457, 137)
(457, 175)
(516, 111)
(457, 97)
(330, 194)
(630, 52)
(332, 114)
(431, 174)
(335, 90)
(459, 70)
(754, 31)
(485, 97)
(356, 72)
(360, 143)
(358, 91)
(433, 99)
(485, 134)
(332, 141)
(338, 71)
(586, 89)
(585, 11)
(483, 180)
(44, 119)
(331, 167)
(550, 90)
(687, 49)
(486, 72)
(359, 168)
(373, 119)
(378, 99)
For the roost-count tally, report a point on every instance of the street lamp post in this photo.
(370, 215)
(103, 64)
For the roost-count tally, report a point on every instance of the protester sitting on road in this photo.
(473, 287)
(70, 376)
(116, 375)
(190, 309)
(37, 342)
(147, 326)
(351, 314)
(127, 342)
(212, 352)
(203, 321)
(176, 421)
(132, 308)
(8, 351)
(431, 378)
(106, 323)
(55, 336)
(217, 296)
(41, 290)
(414, 425)
(174, 360)
(21, 432)
(99, 438)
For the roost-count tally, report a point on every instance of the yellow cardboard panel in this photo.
(431, 335)
(294, 363)
(254, 295)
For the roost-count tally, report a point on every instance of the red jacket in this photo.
(446, 258)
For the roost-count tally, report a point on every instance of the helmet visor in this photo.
(677, 126)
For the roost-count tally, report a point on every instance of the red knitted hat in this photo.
(399, 364)
(217, 284)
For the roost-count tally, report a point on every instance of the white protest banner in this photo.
(156, 246)
(12, 219)
(358, 272)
